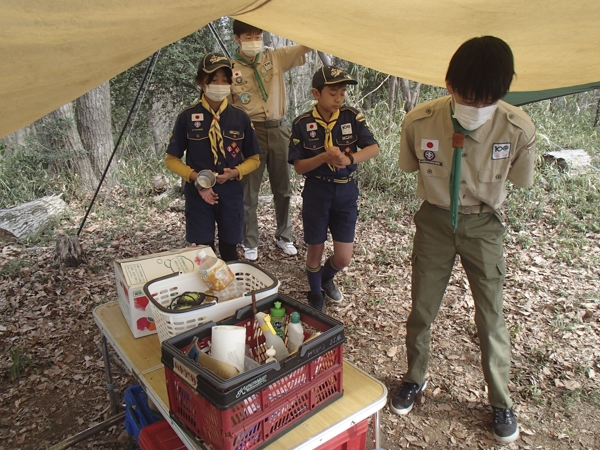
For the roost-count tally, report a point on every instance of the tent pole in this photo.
(218, 38)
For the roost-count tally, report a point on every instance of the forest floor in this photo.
(52, 380)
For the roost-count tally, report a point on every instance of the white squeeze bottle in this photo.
(214, 272)
(271, 338)
(295, 333)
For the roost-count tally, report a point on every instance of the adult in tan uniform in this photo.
(465, 147)
(258, 87)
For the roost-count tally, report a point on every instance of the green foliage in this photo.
(20, 362)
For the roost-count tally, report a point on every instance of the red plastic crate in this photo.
(354, 438)
(160, 436)
(264, 402)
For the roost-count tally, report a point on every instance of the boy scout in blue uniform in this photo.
(465, 147)
(219, 137)
(324, 148)
(259, 89)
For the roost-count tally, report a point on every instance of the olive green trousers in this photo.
(478, 242)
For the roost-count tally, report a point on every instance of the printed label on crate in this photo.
(188, 375)
(251, 386)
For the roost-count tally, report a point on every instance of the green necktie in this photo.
(458, 141)
(257, 75)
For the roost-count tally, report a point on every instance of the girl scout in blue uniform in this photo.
(219, 137)
(324, 148)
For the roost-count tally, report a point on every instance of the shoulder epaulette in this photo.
(189, 107)
(302, 116)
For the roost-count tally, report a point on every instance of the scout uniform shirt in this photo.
(499, 150)
(272, 65)
(308, 139)
(190, 136)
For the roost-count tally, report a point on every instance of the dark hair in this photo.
(481, 69)
(240, 28)
(207, 78)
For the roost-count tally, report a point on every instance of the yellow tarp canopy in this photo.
(53, 51)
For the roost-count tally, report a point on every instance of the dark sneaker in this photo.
(331, 291)
(506, 428)
(317, 300)
(405, 398)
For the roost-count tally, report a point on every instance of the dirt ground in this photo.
(52, 383)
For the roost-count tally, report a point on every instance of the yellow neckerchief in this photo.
(214, 132)
(328, 128)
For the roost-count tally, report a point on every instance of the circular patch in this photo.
(238, 80)
(245, 98)
(197, 124)
(429, 155)
(313, 134)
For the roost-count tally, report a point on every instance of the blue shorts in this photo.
(200, 217)
(332, 206)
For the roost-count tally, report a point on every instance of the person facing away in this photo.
(214, 135)
(258, 87)
(465, 147)
(324, 147)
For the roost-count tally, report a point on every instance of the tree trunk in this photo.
(58, 133)
(31, 218)
(24, 137)
(161, 122)
(410, 96)
(325, 58)
(94, 125)
(392, 85)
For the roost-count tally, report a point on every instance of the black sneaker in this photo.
(506, 428)
(317, 300)
(405, 398)
(331, 291)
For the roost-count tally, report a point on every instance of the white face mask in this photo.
(251, 48)
(471, 118)
(217, 92)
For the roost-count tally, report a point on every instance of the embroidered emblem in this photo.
(268, 65)
(435, 163)
(432, 145)
(336, 72)
(360, 117)
(312, 134)
(429, 155)
(197, 117)
(234, 132)
(501, 151)
(296, 141)
(311, 126)
(346, 128)
(245, 98)
(233, 149)
(215, 58)
(237, 73)
(197, 124)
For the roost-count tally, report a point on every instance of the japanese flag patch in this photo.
(501, 151)
(433, 145)
(197, 117)
(311, 126)
(237, 73)
(346, 128)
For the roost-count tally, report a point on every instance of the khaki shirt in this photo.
(501, 149)
(273, 63)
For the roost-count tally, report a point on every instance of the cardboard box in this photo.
(133, 273)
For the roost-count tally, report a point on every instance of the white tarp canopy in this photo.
(53, 51)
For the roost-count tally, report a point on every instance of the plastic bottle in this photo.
(214, 272)
(278, 319)
(271, 339)
(295, 332)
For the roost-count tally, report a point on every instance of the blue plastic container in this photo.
(137, 412)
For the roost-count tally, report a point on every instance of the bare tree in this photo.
(410, 96)
(94, 125)
(58, 134)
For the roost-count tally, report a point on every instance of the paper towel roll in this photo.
(228, 344)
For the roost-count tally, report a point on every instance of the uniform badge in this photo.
(432, 145)
(313, 134)
(296, 141)
(233, 149)
(197, 124)
(360, 117)
(234, 133)
(501, 151)
(197, 117)
(245, 98)
(346, 128)
(268, 65)
(429, 155)
(311, 126)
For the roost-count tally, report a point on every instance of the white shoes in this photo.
(251, 254)
(287, 247)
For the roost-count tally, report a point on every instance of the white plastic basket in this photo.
(169, 323)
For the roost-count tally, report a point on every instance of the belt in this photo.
(475, 209)
(342, 180)
(268, 123)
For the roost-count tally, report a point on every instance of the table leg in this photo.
(376, 435)
(110, 387)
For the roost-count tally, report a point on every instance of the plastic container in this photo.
(295, 333)
(213, 271)
(160, 436)
(251, 409)
(137, 412)
(278, 319)
(354, 438)
(271, 337)
(170, 323)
